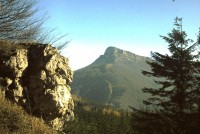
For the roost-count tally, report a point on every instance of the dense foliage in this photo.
(177, 101)
(95, 119)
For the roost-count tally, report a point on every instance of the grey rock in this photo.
(37, 77)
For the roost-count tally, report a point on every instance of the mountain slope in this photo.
(114, 79)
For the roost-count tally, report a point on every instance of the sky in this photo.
(133, 25)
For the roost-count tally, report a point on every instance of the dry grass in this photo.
(111, 111)
(14, 120)
(7, 48)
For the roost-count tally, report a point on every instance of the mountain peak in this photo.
(114, 79)
(113, 54)
(113, 51)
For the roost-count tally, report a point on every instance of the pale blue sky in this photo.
(133, 25)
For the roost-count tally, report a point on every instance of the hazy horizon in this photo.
(132, 25)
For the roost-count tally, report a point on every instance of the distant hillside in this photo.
(114, 79)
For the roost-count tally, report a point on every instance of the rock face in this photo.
(113, 55)
(37, 77)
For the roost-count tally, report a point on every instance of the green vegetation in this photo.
(123, 75)
(97, 119)
(111, 80)
(14, 120)
(177, 101)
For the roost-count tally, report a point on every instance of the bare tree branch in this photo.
(19, 22)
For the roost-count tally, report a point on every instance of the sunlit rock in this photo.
(37, 77)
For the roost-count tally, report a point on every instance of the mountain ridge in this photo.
(113, 54)
(114, 79)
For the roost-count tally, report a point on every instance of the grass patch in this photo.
(14, 120)
(7, 49)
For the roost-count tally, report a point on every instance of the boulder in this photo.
(37, 77)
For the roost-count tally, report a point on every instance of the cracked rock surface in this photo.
(37, 77)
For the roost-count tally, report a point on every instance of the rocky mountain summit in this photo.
(37, 77)
(113, 55)
(114, 79)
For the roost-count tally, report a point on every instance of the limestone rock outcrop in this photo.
(113, 55)
(37, 77)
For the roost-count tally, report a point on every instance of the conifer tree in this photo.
(176, 102)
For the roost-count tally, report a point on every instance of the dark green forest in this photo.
(176, 104)
(97, 119)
